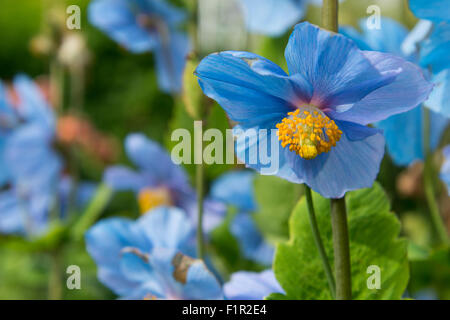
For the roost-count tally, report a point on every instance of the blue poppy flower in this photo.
(143, 26)
(319, 111)
(245, 285)
(434, 50)
(404, 132)
(436, 10)
(445, 169)
(236, 189)
(159, 181)
(274, 17)
(146, 259)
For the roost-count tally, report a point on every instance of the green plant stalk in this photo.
(55, 281)
(330, 11)
(430, 193)
(341, 245)
(199, 177)
(318, 241)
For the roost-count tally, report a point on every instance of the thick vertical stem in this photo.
(199, 175)
(55, 281)
(341, 246)
(330, 11)
(318, 241)
(428, 182)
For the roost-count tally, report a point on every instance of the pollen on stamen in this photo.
(308, 132)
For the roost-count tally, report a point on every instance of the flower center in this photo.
(308, 132)
(150, 198)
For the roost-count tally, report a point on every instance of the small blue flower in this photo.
(236, 189)
(436, 10)
(320, 110)
(146, 259)
(404, 132)
(158, 181)
(143, 26)
(445, 169)
(245, 285)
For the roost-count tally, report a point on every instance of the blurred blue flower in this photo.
(404, 132)
(436, 10)
(145, 259)
(236, 189)
(434, 49)
(143, 26)
(274, 17)
(320, 110)
(158, 181)
(245, 285)
(445, 169)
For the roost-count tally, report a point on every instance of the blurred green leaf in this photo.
(373, 231)
(192, 93)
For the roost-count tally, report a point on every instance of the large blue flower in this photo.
(404, 132)
(146, 25)
(445, 169)
(274, 17)
(320, 110)
(436, 10)
(147, 258)
(245, 285)
(159, 181)
(236, 189)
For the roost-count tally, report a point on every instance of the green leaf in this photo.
(276, 198)
(374, 240)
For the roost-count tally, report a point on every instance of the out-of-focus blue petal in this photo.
(12, 217)
(30, 159)
(338, 71)
(201, 283)
(4, 171)
(445, 169)
(407, 91)
(115, 17)
(161, 8)
(437, 10)
(439, 100)
(412, 42)
(32, 104)
(388, 38)
(8, 116)
(353, 164)
(272, 17)
(404, 134)
(171, 54)
(166, 227)
(236, 189)
(105, 241)
(123, 178)
(251, 89)
(435, 49)
(245, 285)
(250, 239)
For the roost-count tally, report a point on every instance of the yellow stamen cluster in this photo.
(150, 198)
(308, 132)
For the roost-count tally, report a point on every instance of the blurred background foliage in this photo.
(122, 96)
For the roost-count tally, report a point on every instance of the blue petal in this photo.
(411, 45)
(436, 10)
(272, 17)
(407, 91)
(201, 284)
(171, 54)
(12, 216)
(170, 14)
(251, 89)
(352, 164)
(32, 104)
(434, 51)
(445, 169)
(236, 189)
(115, 17)
(251, 285)
(338, 71)
(404, 135)
(123, 178)
(439, 100)
(105, 241)
(251, 240)
(166, 227)
(8, 116)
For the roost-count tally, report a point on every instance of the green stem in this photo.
(199, 176)
(341, 246)
(430, 193)
(330, 15)
(55, 281)
(318, 242)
